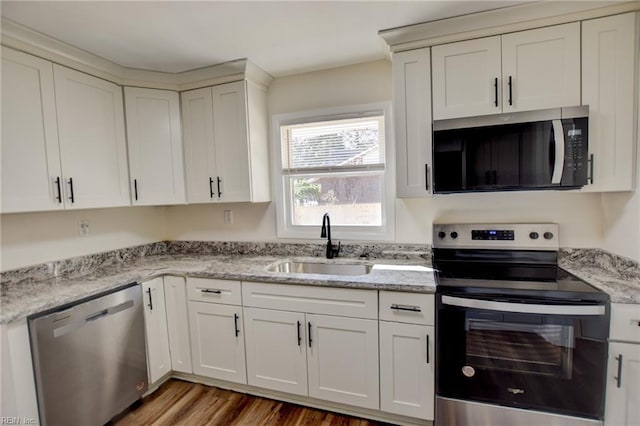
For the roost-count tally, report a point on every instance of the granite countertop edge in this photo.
(29, 297)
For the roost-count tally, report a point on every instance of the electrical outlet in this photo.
(83, 228)
(228, 217)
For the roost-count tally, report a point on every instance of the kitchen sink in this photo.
(321, 268)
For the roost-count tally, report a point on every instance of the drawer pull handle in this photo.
(618, 378)
(406, 308)
(210, 290)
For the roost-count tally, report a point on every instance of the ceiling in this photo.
(281, 37)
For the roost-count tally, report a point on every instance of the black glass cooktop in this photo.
(506, 275)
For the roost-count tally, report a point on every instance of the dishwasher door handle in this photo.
(95, 316)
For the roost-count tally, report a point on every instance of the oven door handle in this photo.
(524, 308)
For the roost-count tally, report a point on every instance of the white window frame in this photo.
(284, 225)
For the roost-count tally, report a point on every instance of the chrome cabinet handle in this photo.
(618, 378)
(409, 308)
(210, 290)
(235, 323)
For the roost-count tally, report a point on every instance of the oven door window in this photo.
(538, 349)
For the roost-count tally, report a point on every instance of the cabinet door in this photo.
(342, 358)
(232, 150)
(412, 111)
(467, 78)
(155, 320)
(155, 146)
(30, 152)
(217, 341)
(276, 350)
(92, 140)
(541, 68)
(609, 58)
(623, 385)
(407, 369)
(175, 295)
(199, 149)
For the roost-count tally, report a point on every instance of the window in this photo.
(334, 163)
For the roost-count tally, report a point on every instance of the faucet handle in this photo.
(337, 251)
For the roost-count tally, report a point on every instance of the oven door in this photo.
(550, 357)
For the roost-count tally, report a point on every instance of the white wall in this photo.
(579, 215)
(31, 238)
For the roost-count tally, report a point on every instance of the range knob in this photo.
(442, 234)
(454, 235)
(548, 235)
(534, 235)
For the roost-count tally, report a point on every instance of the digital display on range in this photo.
(493, 234)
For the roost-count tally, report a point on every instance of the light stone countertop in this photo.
(29, 296)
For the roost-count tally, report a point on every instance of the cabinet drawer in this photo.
(214, 291)
(625, 322)
(412, 308)
(344, 302)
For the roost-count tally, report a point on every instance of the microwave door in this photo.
(537, 154)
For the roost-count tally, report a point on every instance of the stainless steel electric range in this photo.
(520, 341)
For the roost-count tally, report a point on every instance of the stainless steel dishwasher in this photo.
(89, 358)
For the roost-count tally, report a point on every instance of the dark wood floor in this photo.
(183, 403)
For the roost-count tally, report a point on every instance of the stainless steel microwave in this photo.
(545, 149)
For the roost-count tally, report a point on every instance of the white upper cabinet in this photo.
(155, 146)
(522, 71)
(609, 87)
(92, 140)
(225, 138)
(31, 176)
(541, 68)
(412, 112)
(467, 78)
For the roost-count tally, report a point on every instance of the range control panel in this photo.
(518, 236)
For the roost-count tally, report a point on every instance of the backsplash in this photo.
(82, 265)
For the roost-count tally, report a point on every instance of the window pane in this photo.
(353, 200)
(333, 143)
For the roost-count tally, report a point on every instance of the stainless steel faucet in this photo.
(332, 251)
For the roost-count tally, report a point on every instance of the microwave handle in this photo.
(558, 165)
(524, 308)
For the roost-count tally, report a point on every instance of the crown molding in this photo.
(21, 38)
(500, 21)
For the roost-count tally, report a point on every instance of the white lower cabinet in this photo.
(217, 337)
(407, 367)
(155, 320)
(343, 360)
(623, 385)
(276, 350)
(407, 354)
(330, 357)
(622, 406)
(175, 293)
